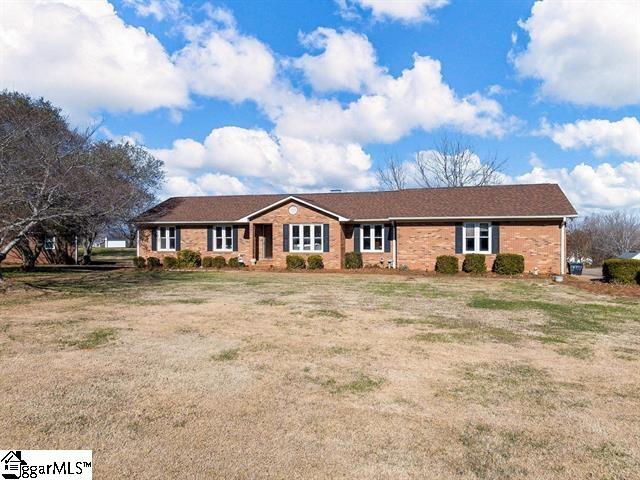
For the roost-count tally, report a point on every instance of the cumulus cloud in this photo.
(589, 188)
(601, 136)
(272, 162)
(418, 98)
(405, 11)
(158, 9)
(348, 61)
(82, 56)
(584, 53)
(220, 62)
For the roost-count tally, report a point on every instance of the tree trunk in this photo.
(2, 257)
(87, 244)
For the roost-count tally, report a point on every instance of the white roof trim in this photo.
(490, 217)
(200, 222)
(295, 199)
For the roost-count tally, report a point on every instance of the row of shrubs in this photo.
(504, 264)
(621, 270)
(297, 262)
(187, 259)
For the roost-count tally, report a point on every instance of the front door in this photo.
(263, 241)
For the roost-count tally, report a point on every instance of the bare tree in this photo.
(453, 163)
(604, 235)
(393, 175)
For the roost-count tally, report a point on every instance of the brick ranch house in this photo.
(398, 229)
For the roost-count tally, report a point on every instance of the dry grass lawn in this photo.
(258, 375)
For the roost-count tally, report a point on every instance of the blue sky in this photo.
(246, 96)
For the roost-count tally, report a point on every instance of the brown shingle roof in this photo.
(459, 202)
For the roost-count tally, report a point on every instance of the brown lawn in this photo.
(258, 375)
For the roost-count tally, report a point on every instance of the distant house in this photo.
(400, 229)
(631, 255)
(111, 242)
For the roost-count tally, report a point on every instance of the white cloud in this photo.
(158, 9)
(271, 162)
(219, 184)
(83, 57)
(181, 186)
(348, 61)
(418, 98)
(220, 62)
(590, 188)
(601, 136)
(407, 11)
(584, 53)
(133, 137)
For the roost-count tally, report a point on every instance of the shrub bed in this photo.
(621, 270)
(189, 259)
(170, 262)
(353, 260)
(218, 262)
(447, 264)
(295, 262)
(153, 262)
(314, 262)
(474, 263)
(508, 264)
(234, 262)
(139, 262)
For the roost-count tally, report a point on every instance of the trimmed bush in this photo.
(508, 264)
(447, 264)
(474, 263)
(207, 262)
(234, 262)
(314, 262)
(153, 262)
(353, 260)
(189, 259)
(295, 262)
(218, 262)
(621, 270)
(139, 262)
(170, 262)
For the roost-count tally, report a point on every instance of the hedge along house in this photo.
(399, 229)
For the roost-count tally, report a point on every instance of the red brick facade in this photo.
(418, 244)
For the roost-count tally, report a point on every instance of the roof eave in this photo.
(248, 217)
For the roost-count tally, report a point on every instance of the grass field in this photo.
(259, 375)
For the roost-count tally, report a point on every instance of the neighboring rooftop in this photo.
(533, 200)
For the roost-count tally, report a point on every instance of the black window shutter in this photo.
(177, 239)
(495, 237)
(285, 237)
(356, 238)
(325, 237)
(209, 239)
(388, 236)
(458, 238)
(234, 238)
(154, 239)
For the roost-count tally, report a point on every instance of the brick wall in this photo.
(368, 258)
(194, 237)
(539, 242)
(280, 216)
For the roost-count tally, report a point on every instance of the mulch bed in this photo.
(598, 286)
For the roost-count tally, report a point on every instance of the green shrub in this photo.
(295, 262)
(207, 262)
(353, 260)
(508, 264)
(474, 263)
(170, 262)
(153, 262)
(219, 262)
(314, 262)
(234, 262)
(621, 270)
(189, 259)
(139, 262)
(447, 264)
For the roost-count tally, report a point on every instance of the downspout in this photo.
(75, 251)
(563, 246)
(395, 245)
(138, 242)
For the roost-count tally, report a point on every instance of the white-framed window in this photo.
(167, 238)
(223, 238)
(49, 243)
(476, 237)
(306, 237)
(372, 238)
